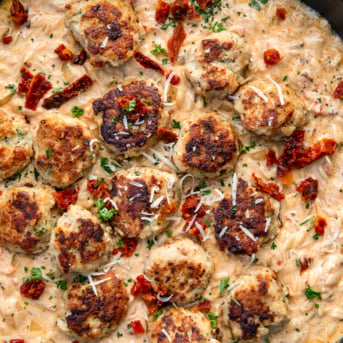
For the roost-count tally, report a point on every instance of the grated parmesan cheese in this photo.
(259, 93)
(248, 233)
(166, 90)
(279, 90)
(234, 189)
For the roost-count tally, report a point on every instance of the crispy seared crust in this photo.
(25, 219)
(182, 326)
(63, 151)
(269, 118)
(255, 220)
(181, 268)
(134, 138)
(133, 201)
(79, 242)
(107, 29)
(207, 147)
(91, 317)
(215, 65)
(257, 305)
(15, 144)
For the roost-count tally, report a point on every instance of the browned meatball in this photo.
(131, 115)
(107, 29)
(207, 146)
(25, 219)
(91, 316)
(245, 219)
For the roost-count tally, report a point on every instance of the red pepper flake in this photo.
(18, 13)
(63, 53)
(32, 289)
(175, 42)
(128, 248)
(38, 87)
(338, 93)
(270, 188)
(162, 11)
(7, 40)
(204, 3)
(319, 225)
(137, 327)
(175, 80)
(166, 135)
(281, 13)
(292, 146)
(324, 147)
(65, 198)
(147, 63)
(17, 340)
(26, 78)
(271, 57)
(58, 99)
(304, 263)
(271, 158)
(98, 188)
(204, 306)
(308, 189)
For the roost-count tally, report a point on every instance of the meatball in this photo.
(245, 219)
(207, 147)
(131, 115)
(215, 65)
(182, 268)
(268, 110)
(181, 325)
(79, 242)
(94, 310)
(143, 197)
(26, 219)
(15, 144)
(64, 150)
(256, 305)
(107, 29)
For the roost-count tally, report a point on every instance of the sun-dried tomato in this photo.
(271, 158)
(194, 229)
(308, 189)
(292, 145)
(204, 3)
(18, 340)
(32, 289)
(304, 263)
(140, 107)
(281, 13)
(270, 188)
(38, 87)
(98, 188)
(147, 63)
(162, 11)
(65, 198)
(7, 40)
(175, 80)
(79, 59)
(190, 205)
(319, 225)
(58, 99)
(26, 78)
(143, 289)
(166, 135)
(63, 53)
(175, 42)
(204, 306)
(324, 147)
(338, 93)
(137, 327)
(128, 248)
(271, 57)
(179, 9)
(18, 13)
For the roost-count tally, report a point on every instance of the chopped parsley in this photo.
(120, 243)
(158, 50)
(246, 148)
(235, 300)
(12, 88)
(57, 90)
(213, 319)
(103, 212)
(157, 314)
(36, 274)
(217, 27)
(77, 112)
(312, 294)
(150, 242)
(48, 153)
(169, 233)
(257, 4)
(61, 284)
(176, 124)
(316, 236)
(224, 284)
(130, 107)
